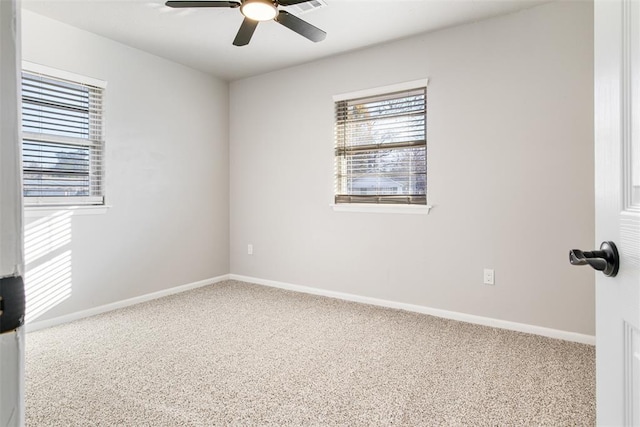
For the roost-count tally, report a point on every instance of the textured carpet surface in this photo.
(241, 354)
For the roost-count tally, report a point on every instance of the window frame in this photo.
(47, 203)
(375, 207)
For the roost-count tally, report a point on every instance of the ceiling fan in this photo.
(255, 11)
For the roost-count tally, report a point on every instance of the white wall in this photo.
(166, 180)
(510, 172)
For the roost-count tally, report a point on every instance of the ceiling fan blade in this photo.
(301, 27)
(180, 3)
(290, 2)
(245, 32)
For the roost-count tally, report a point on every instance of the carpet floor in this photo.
(240, 354)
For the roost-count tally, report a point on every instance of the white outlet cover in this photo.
(489, 276)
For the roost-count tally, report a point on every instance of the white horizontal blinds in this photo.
(381, 149)
(62, 141)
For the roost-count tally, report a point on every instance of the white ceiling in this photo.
(201, 38)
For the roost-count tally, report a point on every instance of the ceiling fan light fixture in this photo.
(259, 10)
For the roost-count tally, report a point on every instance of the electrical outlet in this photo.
(489, 278)
(249, 249)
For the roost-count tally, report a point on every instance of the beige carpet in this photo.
(241, 354)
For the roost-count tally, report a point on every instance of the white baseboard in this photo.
(34, 326)
(463, 317)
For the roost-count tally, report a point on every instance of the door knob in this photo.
(605, 260)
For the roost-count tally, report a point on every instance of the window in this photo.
(62, 140)
(380, 147)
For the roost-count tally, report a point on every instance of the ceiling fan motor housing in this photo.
(259, 10)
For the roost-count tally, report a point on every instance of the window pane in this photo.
(55, 107)
(399, 171)
(52, 169)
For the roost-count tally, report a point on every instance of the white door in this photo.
(617, 186)
(11, 335)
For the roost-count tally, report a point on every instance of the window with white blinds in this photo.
(62, 141)
(380, 148)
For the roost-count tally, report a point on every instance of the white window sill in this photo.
(40, 211)
(373, 208)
